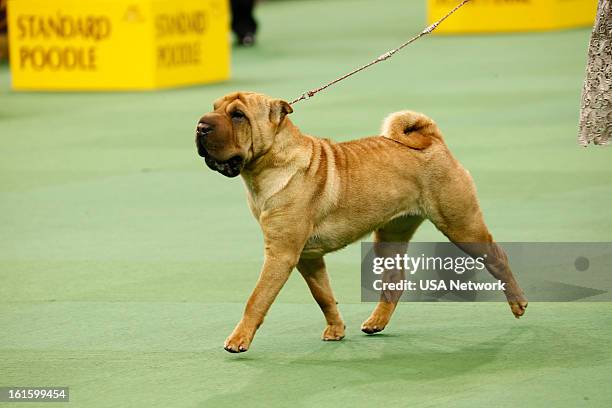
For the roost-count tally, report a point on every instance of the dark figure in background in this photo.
(3, 28)
(243, 22)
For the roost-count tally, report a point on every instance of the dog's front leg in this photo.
(274, 274)
(315, 275)
(282, 252)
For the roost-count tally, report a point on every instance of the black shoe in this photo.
(247, 40)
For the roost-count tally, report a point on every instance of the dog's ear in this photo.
(278, 110)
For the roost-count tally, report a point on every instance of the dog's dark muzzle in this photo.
(203, 130)
(230, 167)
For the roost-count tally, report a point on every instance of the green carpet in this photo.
(125, 262)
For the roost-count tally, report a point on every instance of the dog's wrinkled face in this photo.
(241, 128)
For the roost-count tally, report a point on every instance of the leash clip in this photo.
(384, 56)
(430, 28)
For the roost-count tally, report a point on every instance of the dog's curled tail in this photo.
(411, 129)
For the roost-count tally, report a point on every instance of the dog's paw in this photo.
(373, 325)
(518, 307)
(333, 332)
(237, 343)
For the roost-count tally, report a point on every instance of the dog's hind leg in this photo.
(315, 275)
(456, 213)
(389, 241)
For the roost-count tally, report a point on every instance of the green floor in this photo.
(125, 262)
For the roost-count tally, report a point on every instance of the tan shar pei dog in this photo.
(312, 196)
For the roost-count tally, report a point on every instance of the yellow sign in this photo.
(117, 44)
(491, 16)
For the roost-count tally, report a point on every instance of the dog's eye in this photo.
(237, 114)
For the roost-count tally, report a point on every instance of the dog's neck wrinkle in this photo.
(279, 163)
(281, 153)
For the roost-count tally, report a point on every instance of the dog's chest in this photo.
(258, 193)
(331, 235)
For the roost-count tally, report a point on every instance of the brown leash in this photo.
(383, 57)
